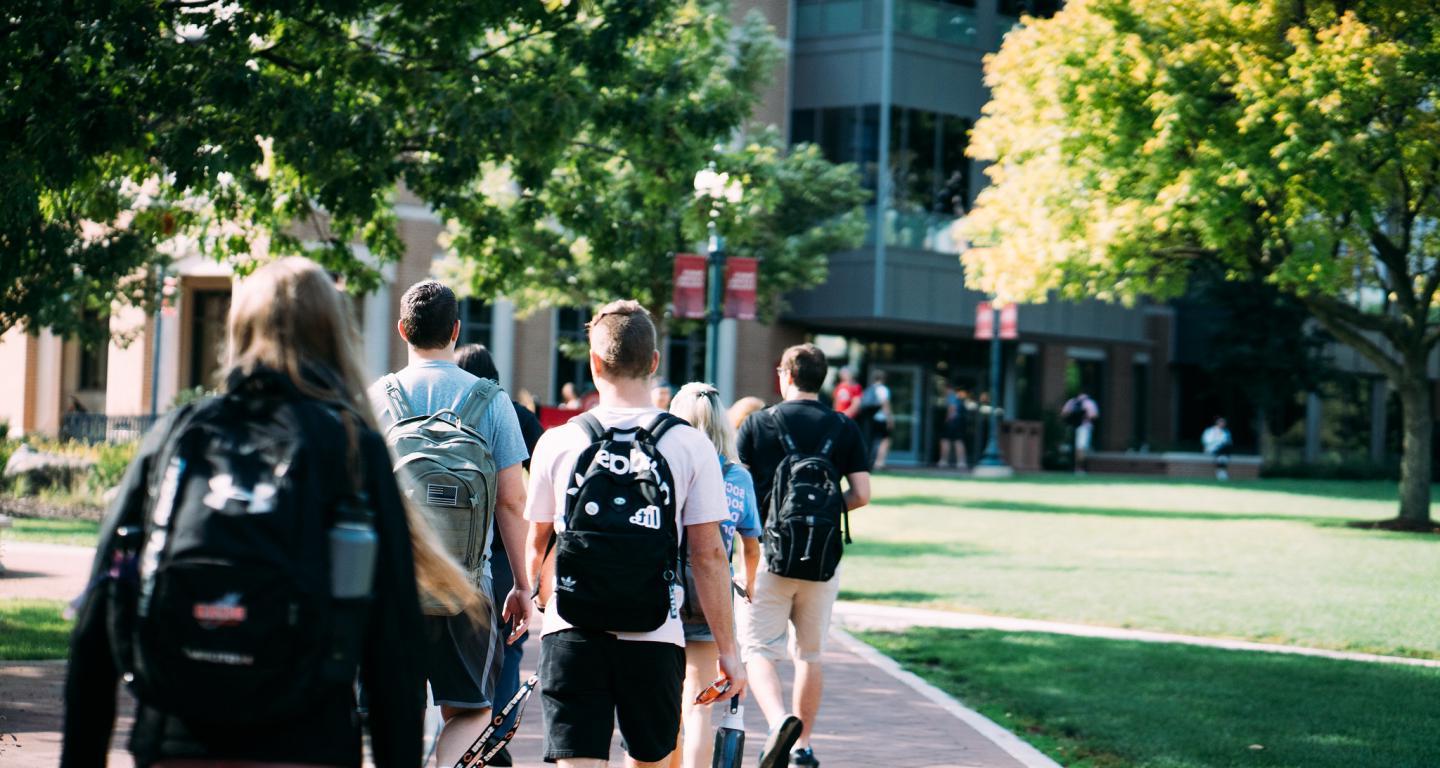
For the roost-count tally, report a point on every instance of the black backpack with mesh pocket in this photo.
(618, 559)
(807, 512)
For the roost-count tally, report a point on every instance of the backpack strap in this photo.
(592, 426)
(476, 402)
(786, 440)
(831, 435)
(399, 405)
(662, 424)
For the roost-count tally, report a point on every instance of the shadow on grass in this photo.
(893, 596)
(997, 505)
(900, 549)
(1090, 702)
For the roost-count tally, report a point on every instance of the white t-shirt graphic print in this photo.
(699, 491)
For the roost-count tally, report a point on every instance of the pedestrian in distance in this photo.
(257, 556)
(848, 393)
(1216, 442)
(459, 453)
(1081, 412)
(954, 427)
(570, 397)
(741, 410)
(610, 493)
(661, 393)
(699, 405)
(875, 410)
(798, 453)
(477, 360)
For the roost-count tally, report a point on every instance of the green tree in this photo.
(620, 201)
(1294, 141)
(131, 129)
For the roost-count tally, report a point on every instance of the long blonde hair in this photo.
(699, 403)
(289, 317)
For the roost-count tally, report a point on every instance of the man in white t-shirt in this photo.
(592, 678)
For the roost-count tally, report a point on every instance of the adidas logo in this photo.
(567, 583)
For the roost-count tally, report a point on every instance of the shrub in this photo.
(111, 461)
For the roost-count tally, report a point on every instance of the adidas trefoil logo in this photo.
(567, 583)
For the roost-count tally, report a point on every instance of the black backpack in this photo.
(221, 608)
(618, 558)
(807, 509)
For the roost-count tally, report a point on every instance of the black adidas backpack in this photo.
(807, 509)
(618, 558)
(221, 606)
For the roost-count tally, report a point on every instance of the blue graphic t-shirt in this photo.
(740, 500)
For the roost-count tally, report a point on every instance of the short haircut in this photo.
(476, 359)
(806, 365)
(428, 312)
(623, 337)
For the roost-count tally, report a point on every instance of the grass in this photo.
(1092, 703)
(32, 630)
(1268, 560)
(69, 531)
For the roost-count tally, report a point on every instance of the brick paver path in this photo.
(869, 717)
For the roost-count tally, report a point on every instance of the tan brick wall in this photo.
(421, 246)
(1052, 376)
(1119, 406)
(535, 355)
(757, 351)
(15, 389)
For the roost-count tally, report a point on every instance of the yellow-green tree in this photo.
(1297, 141)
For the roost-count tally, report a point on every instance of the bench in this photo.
(1171, 464)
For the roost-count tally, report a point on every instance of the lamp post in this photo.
(991, 463)
(718, 188)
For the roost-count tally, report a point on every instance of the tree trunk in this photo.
(1416, 457)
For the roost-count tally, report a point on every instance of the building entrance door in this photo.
(906, 404)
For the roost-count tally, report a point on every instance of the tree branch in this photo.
(1323, 309)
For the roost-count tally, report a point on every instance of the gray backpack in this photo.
(444, 466)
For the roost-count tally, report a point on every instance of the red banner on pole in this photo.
(742, 282)
(689, 292)
(985, 321)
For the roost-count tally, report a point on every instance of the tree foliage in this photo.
(1293, 141)
(620, 200)
(133, 128)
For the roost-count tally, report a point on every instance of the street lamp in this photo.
(718, 188)
(991, 463)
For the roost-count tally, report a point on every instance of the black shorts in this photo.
(879, 429)
(590, 680)
(463, 658)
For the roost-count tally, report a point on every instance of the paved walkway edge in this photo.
(868, 616)
(1013, 745)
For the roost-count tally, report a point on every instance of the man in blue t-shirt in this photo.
(463, 660)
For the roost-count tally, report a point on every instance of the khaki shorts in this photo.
(782, 606)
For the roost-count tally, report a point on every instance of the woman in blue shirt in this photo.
(699, 404)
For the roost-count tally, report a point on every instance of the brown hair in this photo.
(623, 337)
(742, 409)
(806, 365)
(428, 312)
(289, 317)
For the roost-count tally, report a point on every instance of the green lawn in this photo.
(1266, 560)
(1092, 703)
(80, 532)
(33, 629)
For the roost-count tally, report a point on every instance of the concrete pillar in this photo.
(502, 340)
(377, 330)
(50, 352)
(725, 371)
(1312, 427)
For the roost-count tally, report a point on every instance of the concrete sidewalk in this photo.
(873, 713)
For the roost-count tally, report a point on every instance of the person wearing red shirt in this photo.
(847, 394)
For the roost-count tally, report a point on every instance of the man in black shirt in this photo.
(780, 602)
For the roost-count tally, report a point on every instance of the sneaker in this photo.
(777, 746)
(805, 756)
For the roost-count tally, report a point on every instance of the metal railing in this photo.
(102, 428)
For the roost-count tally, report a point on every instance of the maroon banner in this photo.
(1010, 321)
(689, 293)
(742, 283)
(985, 321)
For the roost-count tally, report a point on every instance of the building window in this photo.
(570, 338)
(950, 21)
(827, 18)
(94, 357)
(208, 317)
(477, 322)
